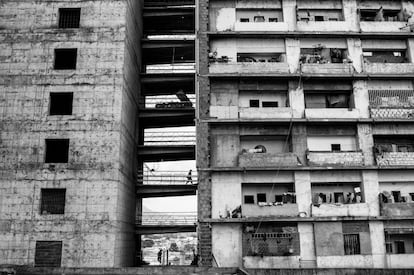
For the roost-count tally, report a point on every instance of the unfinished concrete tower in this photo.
(305, 133)
(69, 90)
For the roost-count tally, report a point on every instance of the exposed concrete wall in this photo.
(227, 244)
(303, 191)
(99, 211)
(307, 245)
(226, 193)
(369, 188)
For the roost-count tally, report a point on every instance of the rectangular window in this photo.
(69, 18)
(245, 20)
(335, 147)
(319, 18)
(57, 150)
(273, 19)
(399, 247)
(65, 59)
(53, 201)
(254, 103)
(248, 199)
(48, 254)
(261, 197)
(351, 244)
(60, 104)
(270, 104)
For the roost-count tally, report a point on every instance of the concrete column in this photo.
(376, 230)
(350, 8)
(299, 143)
(289, 13)
(361, 98)
(370, 189)
(226, 193)
(410, 49)
(293, 54)
(303, 191)
(307, 245)
(355, 53)
(366, 143)
(296, 99)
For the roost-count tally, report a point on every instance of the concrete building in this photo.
(74, 88)
(305, 148)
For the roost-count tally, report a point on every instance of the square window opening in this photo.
(254, 103)
(69, 18)
(57, 150)
(399, 247)
(65, 59)
(61, 104)
(53, 201)
(261, 197)
(48, 254)
(249, 199)
(335, 147)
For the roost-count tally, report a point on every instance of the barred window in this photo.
(351, 244)
(53, 201)
(48, 254)
(69, 18)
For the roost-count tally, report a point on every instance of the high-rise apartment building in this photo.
(305, 130)
(305, 135)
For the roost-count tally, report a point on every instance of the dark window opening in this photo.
(412, 196)
(388, 247)
(270, 104)
(397, 196)
(69, 18)
(254, 103)
(48, 254)
(53, 201)
(259, 19)
(57, 150)
(352, 244)
(261, 197)
(335, 147)
(319, 18)
(61, 104)
(339, 197)
(278, 198)
(248, 199)
(245, 20)
(399, 247)
(65, 59)
(273, 19)
(333, 19)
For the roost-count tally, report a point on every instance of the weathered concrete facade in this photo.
(96, 228)
(307, 133)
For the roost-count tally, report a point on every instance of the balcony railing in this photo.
(268, 160)
(171, 68)
(167, 218)
(328, 158)
(394, 158)
(391, 104)
(171, 101)
(157, 138)
(168, 177)
(274, 210)
(400, 209)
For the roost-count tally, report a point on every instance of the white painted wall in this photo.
(227, 244)
(323, 143)
(225, 192)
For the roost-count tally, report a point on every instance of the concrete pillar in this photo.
(299, 144)
(355, 53)
(361, 98)
(410, 49)
(296, 99)
(350, 8)
(226, 193)
(293, 54)
(289, 13)
(370, 189)
(366, 143)
(303, 191)
(307, 245)
(376, 230)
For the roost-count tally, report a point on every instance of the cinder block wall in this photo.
(97, 227)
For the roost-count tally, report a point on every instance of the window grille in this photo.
(271, 244)
(69, 18)
(48, 254)
(391, 98)
(351, 244)
(53, 201)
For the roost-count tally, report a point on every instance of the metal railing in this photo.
(157, 138)
(167, 218)
(167, 177)
(171, 68)
(152, 101)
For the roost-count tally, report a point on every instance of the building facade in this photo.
(305, 147)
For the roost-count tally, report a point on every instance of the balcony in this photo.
(394, 158)
(391, 104)
(328, 68)
(340, 210)
(261, 26)
(332, 113)
(270, 210)
(327, 158)
(388, 68)
(400, 209)
(392, 113)
(384, 26)
(323, 26)
(249, 67)
(265, 113)
(268, 160)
